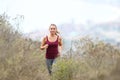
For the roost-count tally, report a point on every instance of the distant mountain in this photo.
(36, 35)
(70, 29)
(109, 32)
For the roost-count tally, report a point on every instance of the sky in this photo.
(39, 14)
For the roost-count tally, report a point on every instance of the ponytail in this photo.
(57, 32)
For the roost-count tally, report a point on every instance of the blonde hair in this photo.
(57, 32)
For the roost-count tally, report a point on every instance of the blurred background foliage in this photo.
(87, 58)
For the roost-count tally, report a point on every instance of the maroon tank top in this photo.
(52, 50)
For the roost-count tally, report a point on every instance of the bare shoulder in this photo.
(60, 38)
(44, 38)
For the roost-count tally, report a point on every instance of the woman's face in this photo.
(52, 29)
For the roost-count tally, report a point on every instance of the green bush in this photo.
(64, 69)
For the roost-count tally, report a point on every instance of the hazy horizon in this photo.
(38, 14)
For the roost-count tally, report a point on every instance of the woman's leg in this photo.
(49, 63)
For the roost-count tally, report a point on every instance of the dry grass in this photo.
(21, 59)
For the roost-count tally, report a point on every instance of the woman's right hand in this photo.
(46, 46)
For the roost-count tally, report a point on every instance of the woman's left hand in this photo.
(58, 55)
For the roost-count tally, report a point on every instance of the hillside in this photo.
(87, 58)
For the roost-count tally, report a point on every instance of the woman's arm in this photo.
(43, 44)
(60, 46)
